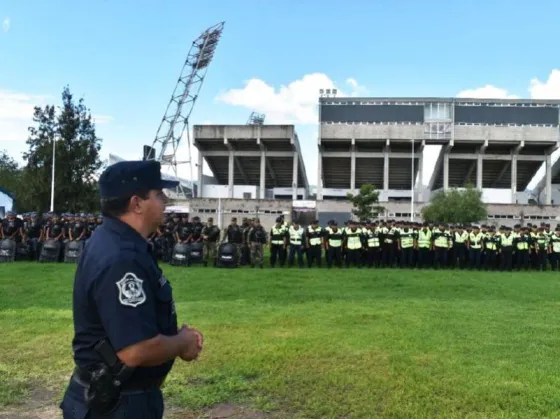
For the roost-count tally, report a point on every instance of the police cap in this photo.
(129, 177)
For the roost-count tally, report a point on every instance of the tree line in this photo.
(70, 128)
(453, 206)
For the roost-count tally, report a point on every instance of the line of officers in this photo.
(30, 230)
(408, 245)
(378, 244)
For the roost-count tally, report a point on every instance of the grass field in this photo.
(320, 344)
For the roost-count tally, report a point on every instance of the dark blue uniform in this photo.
(120, 295)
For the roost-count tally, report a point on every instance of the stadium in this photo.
(499, 146)
(465, 341)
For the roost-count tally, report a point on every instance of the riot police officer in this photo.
(33, 233)
(234, 235)
(126, 336)
(210, 235)
(257, 239)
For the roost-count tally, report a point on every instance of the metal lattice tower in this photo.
(256, 119)
(176, 119)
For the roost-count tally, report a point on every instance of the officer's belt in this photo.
(83, 378)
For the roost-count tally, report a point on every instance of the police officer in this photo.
(210, 235)
(257, 240)
(126, 337)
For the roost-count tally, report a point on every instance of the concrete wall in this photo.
(243, 131)
(372, 132)
(499, 214)
(269, 210)
(510, 133)
(384, 195)
(222, 210)
(221, 191)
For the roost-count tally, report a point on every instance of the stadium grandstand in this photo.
(251, 162)
(538, 194)
(496, 145)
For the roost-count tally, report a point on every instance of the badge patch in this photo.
(131, 292)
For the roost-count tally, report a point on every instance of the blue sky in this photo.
(124, 58)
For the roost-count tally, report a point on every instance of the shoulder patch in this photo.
(131, 291)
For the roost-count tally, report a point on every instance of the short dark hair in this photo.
(116, 207)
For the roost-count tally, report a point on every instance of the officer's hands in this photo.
(193, 340)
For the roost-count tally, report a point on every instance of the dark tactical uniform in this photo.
(491, 248)
(313, 239)
(522, 243)
(278, 244)
(245, 247)
(11, 227)
(407, 242)
(211, 235)
(373, 245)
(33, 231)
(554, 249)
(197, 228)
(257, 239)
(234, 235)
(77, 230)
(183, 232)
(295, 234)
(333, 241)
(121, 298)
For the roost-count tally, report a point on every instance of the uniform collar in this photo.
(124, 230)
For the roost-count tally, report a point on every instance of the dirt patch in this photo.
(40, 404)
(39, 413)
(232, 411)
(43, 404)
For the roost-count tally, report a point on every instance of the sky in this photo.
(124, 58)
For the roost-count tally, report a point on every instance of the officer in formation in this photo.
(392, 243)
(31, 230)
(126, 335)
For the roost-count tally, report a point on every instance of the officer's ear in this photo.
(137, 202)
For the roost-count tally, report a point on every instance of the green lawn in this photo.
(322, 344)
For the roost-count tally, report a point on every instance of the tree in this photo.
(9, 172)
(456, 206)
(77, 157)
(11, 180)
(365, 203)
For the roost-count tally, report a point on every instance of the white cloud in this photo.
(546, 90)
(16, 115)
(295, 103)
(357, 89)
(487, 92)
(102, 119)
(6, 24)
(549, 89)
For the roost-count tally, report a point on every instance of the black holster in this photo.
(104, 391)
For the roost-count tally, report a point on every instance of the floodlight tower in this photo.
(256, 118)
(176, 119)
